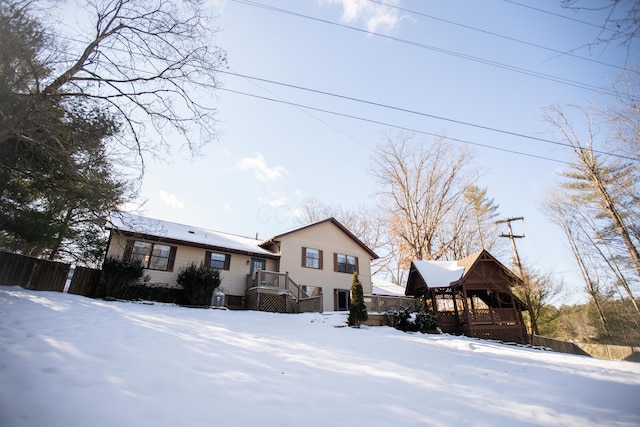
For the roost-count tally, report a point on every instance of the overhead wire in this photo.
(494, 34)
(414, 112)
(386, 124)
(601, 27)
(400, 109)
(496, 64)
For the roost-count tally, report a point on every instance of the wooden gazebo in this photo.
(471, 297)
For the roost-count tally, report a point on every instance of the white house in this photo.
(309, 268)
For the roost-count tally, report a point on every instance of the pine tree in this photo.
(358, 310)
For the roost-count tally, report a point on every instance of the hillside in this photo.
(71, 361)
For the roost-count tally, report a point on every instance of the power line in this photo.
(491, 33)
(391, 125)
(401, 110)
(559, 15)
(433, 116)
(496, 64)
(305, 111)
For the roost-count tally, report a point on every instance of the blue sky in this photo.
(272, 156)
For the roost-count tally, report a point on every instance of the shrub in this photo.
(198, 283)
(117, 276)
(358, 309)
(406, 320)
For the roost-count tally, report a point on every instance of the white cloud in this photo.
(275, 201)
(171, 200)
(259, 167)
(375, 15)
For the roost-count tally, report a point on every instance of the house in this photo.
(471, 296)
(305, 269)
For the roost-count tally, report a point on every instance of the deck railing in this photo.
(275, 280)
(493, 316)
(382, 303)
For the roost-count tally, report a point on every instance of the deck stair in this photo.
(277, 292)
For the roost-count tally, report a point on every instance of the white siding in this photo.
(330, 239)
(233, 281)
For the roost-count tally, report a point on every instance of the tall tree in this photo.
(424, 184)
(564, 212)
(57, 184)
(484, 212)
(64, 217)
(608, 187)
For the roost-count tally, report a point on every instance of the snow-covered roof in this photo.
(439, 274)
(128, 222)
(386, 287)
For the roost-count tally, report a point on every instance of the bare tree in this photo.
(608, 186)
(145, 63)
(621, 23)
(562, 210)
(624, 115)
(537, 290)
(423, 189)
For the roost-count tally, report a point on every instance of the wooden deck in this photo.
(277, 292)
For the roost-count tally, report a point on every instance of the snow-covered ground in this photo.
(68, 361)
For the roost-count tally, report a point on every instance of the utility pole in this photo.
(513, 238)
(532, 319)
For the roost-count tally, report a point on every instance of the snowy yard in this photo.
(67, 361)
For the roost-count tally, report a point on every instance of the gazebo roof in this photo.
(447, 274)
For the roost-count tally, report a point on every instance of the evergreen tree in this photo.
(58, 182)
(358, 310)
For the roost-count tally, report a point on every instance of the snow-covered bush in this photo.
(407, 320)
(117, 276)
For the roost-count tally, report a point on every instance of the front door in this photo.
(342, 300)
(258, 264)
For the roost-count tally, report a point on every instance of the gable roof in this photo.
(443, 274)
(334, 222)
(155, 229)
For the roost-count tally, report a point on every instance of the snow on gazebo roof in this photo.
(439, 274)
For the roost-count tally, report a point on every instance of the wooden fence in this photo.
(43, 275)
(84, 281)
(32, 273)
(601, 351)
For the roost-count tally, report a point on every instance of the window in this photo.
(154, 256)
(217, 260)
(345, 263)
(312, 258)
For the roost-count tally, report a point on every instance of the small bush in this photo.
(198, 283)
(406, 320)
(117, 276)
